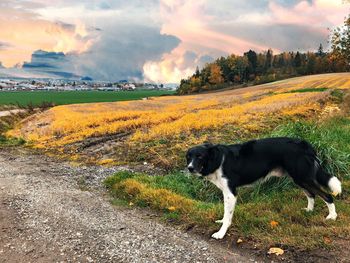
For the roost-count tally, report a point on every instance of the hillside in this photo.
(159, 130)
(151, 134)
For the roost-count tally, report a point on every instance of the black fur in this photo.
(245, 163)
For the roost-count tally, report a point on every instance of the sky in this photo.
(158, 41)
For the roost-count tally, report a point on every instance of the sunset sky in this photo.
(153, 40)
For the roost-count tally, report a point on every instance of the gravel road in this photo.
(46, 216)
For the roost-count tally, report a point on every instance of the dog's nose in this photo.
(190, 168)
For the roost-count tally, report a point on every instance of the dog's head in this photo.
(203, 159)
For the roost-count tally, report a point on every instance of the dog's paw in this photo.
(218, 235)
(307, 209)
(332, 216)
(219, 221)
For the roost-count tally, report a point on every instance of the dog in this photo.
(232, 166)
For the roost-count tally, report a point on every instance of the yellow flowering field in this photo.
(158, 129)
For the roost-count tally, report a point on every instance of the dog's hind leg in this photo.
(327, 198)
(310, 194)
(229, 206)
(310, 201)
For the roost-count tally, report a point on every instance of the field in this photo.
(160, 129)
(157, 132)
(36, 98)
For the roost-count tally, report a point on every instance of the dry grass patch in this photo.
(155, 125)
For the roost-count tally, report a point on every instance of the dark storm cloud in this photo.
(116, 56)
(121, 55)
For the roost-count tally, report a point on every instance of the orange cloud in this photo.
(170, 69)
(24, 33)
(187, 20)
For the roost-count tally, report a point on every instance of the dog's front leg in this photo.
(229, 207)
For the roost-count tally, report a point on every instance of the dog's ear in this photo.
(213, 151)
(214, 159)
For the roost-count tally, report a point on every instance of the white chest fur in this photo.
(217, 178)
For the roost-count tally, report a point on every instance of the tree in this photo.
(340, 41)
(280, 61)
(320, 52)
(311, 63)
(195, 83)
(253, 61)
(239, 67)
(297, 60)
(269, 58)
(197, 72)
(225, 68)
(215, 74)
(184, 87)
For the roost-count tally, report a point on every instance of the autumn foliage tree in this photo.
(340, 41)
(215, 74)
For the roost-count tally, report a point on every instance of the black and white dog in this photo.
(231, 166)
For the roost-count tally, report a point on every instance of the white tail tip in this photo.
(335, 186)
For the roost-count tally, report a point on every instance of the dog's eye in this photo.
(199, 156)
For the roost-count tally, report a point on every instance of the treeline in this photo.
(257, 68)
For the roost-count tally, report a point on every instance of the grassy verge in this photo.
(264, 214)
(10, 141)
(7, 123)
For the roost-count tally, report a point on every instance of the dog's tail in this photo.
(327, 180)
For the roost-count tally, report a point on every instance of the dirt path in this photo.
(9, 112)
(45, 216)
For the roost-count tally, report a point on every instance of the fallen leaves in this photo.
(276, 250)
(274, 223)
(172, 208)
(327, 240)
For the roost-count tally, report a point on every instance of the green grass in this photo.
(197, 202)
(308, 90)
(10, 141)
(7, 123)
(331, 140)
(24, 98)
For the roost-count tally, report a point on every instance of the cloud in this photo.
(4, 45)
(121, 52)
(174, 66)
(276, 36)
(218, 28)
(312, 14)
(155, 40)
(115, 46)
(189, 21)
(25, 32)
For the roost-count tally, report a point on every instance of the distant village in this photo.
(79, 85)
